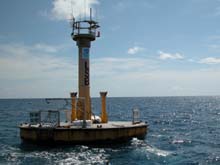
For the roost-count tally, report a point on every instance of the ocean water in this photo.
(182, 130)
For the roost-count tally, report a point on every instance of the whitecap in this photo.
(153, 150)
(157, 151)
(89, 156)
(136, 141)
(179, 141)
(156, 135)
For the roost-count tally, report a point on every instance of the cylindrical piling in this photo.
(104, 116)
(73, 102)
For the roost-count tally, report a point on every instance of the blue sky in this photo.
(146, 48)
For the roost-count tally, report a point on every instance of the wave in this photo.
(158, 152)
(76, 155)
(150, 149)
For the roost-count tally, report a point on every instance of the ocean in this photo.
(182, 130)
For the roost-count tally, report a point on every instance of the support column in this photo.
(73, 100)
(104, 116)
(80, 108)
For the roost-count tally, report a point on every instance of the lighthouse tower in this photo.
(84, 32)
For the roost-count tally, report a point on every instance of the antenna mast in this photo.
(90, 14)
(85, 9)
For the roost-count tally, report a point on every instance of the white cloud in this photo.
(63, 9)
(48, 48)
(39, 72)
(44, 75)
(18, 48)
(143, 77)
(153, 81)
(18, 61)
(135, 50)
(165, 56)
(210, 60)
(118, 66)
(25, 72)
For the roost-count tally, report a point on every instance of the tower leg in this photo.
(104, 116)
(73, 99)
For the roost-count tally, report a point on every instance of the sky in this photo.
(146, 48)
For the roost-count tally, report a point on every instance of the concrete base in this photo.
(96, 133)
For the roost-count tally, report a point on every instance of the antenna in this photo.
(90, 14)
(96, 14)
(72, 9)
(97, 19)
(85, 9)
(71, 20)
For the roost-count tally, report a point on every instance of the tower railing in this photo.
(86, 27)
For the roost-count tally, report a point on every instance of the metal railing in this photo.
(50, 118)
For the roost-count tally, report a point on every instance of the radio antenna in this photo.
(85, 9)
(71, 18)
(72, 10)
(90, 14)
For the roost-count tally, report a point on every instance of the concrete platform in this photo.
(95, 133)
